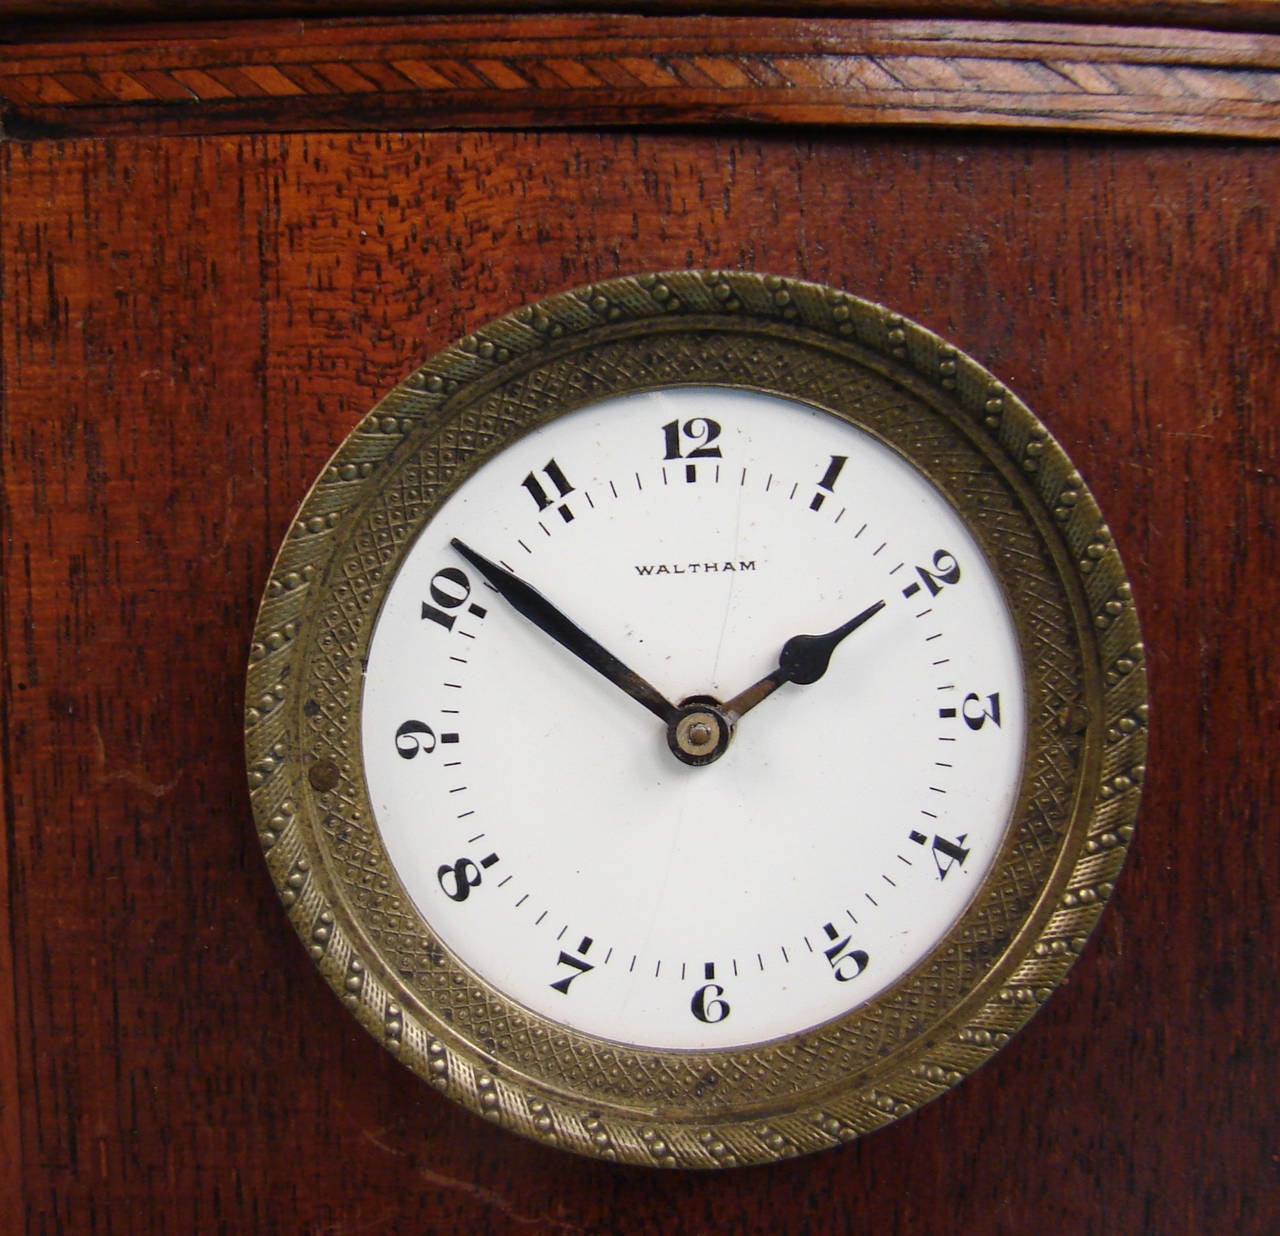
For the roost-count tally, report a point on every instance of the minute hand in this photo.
(529, 602)
(804, 659)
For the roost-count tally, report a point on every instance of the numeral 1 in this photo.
(828, 482)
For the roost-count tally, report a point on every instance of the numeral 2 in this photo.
(946, 570)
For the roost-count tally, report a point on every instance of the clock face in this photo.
(535, 812)
(696, 719)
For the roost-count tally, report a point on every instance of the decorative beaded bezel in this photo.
(1087, 719)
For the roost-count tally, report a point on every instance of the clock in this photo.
(696, 719)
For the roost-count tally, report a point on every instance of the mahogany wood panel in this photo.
(190, 326)
(1209, 14)
(555, 72)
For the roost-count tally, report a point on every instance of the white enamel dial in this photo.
(534, 809)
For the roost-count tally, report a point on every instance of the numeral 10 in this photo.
(450, 589)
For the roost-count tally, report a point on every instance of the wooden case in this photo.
(222, 241)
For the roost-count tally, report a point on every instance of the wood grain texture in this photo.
(190, 326)
(11, 1179)
(552, 72)
(1206, 14)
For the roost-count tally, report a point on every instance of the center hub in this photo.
(701, 731)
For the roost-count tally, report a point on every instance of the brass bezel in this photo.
(1083, 664)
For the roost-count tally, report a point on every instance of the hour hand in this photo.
(804, 659)
(529, 602)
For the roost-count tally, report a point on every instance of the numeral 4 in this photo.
(947, 855)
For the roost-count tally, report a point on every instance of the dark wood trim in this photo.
(1200, 14)
(564, 71)
(11, 1173)
(10, 1071)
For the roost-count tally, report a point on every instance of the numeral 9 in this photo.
(413, 737)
